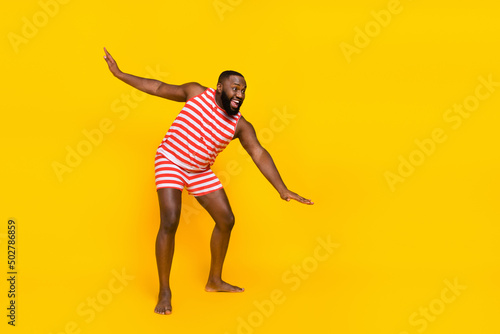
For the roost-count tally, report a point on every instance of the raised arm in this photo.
(261, 157)
(179, 93)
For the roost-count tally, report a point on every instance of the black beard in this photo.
(226, 104)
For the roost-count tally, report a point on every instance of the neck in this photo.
(218, 100)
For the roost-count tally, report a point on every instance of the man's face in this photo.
(233, 94)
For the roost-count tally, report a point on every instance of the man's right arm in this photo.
(179, 93)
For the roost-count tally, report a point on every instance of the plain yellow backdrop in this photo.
(385, 113)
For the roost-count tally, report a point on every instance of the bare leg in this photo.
(170, 211)
(218, 207)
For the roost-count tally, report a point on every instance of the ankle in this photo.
(165, 290)
(214, 280)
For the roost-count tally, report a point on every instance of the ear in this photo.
(219, 87)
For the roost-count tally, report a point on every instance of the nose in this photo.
(239, 94)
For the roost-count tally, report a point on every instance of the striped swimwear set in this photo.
(193, 141)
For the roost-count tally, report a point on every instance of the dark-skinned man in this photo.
(207, 123)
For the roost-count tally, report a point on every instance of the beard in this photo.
(226, 104)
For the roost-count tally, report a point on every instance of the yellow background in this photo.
(349, 119)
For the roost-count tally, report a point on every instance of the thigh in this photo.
(170, 200)
(217, 205)
(168, 175)
(202, 183)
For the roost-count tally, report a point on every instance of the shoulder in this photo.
(245, 132)
(193, 89)
(243, 127)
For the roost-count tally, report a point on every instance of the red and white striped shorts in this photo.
(169, 175)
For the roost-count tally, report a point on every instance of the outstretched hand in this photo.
(287, 195)
(113, 67)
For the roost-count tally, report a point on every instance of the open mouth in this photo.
(235, 103)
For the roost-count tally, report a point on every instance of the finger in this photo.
(304, 200)
(299, 199)
(108, 56)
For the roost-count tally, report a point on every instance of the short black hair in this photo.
(226, 74)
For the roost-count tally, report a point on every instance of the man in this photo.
(209, 120)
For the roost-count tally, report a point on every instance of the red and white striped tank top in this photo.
(199, 133)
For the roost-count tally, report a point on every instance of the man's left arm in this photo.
(261, 157)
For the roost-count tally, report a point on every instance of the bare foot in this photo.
(222, 286)
(164, 305)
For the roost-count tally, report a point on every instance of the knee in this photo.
(169, 221)
(227, 223)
